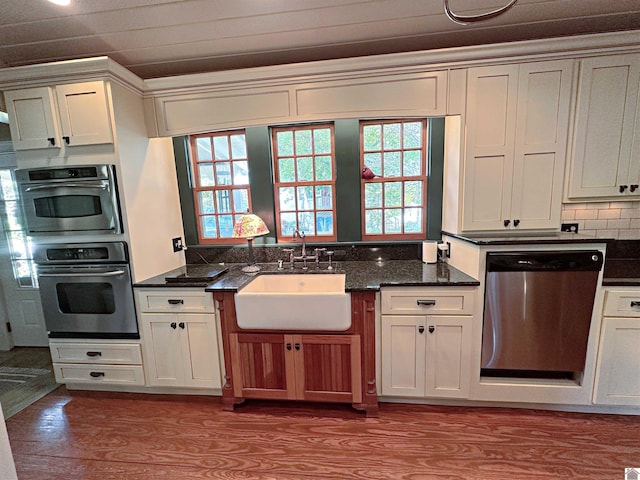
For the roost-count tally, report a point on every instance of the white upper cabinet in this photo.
(516, 136)
(606, 146)
(54, 117)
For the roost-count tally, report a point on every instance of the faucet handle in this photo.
(318, 250)
(330, 254)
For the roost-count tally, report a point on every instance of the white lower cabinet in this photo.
(179, 338)
(618, 370)
(426, 355)
(101, 362)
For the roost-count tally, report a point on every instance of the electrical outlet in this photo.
(177, 244)
(569, 227)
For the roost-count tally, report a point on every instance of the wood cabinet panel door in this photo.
(262, 366)
(163, 352)
(200, 347)
(328, 367)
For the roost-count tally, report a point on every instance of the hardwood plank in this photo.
(113, 435)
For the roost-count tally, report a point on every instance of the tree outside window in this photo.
(220, 171)
(304, 171)
(394, 200)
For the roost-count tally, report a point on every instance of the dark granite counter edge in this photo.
(360, 276)
(558, 238)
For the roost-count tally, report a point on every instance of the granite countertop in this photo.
(360, 275)
(561, 237)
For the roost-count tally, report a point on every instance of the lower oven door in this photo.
(88, 301)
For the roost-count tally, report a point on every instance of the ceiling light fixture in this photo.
(466, 19)
(62, 3)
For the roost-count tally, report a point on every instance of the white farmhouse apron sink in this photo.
(294, 302)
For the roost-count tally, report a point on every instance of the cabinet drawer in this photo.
(98, 353)
(99, 374)
(185, 301)
(622, 303)
(427, 301)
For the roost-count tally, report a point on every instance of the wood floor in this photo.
(87, 435)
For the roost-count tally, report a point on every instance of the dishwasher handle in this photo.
(542, 261)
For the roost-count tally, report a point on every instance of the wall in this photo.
(619, 220)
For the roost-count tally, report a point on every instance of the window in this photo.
(304, 171)
(220, 173)
(394, 200)
(20, 246)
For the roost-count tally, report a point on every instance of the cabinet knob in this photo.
(297, 346)
(288, 346)
(622, 188)
(633, 188)
(506, 222)
(52, 141)
(421, 329)
(66, 140)
(432, 329)
(516, 222)
(181, 325)
(174, 325)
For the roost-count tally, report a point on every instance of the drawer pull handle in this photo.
(425, 303)
(635, 303)
(97, 374)
(94, 354)
(176, 301)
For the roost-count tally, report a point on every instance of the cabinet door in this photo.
(544, 94)
(403, 355)
(328, 367)
(488, 164)
(605, 127)
(85, 117)
(448, 359)
(201, 360)
(618, 371)
(163, 358)
(33, 119)
(263, 366)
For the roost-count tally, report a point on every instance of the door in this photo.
(488, 164)
(448, 359)
(328, 367)
(21, 300)
(163, 350)
(262, 366)
(200, 350)
(605, 127)
(544, 94)
(403, 355)
(84, 113)
(33, 118)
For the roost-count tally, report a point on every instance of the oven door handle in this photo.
(112, 273)
(93, 186)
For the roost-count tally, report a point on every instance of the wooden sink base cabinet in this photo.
(293, 365)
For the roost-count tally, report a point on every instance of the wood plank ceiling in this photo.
(155, 38)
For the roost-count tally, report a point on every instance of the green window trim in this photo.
(348, 185)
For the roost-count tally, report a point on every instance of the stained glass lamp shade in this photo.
(249, 226)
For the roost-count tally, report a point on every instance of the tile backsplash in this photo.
(619, 220)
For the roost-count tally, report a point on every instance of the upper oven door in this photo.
(73, 206)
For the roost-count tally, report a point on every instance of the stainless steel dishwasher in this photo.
(537, 312)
